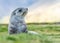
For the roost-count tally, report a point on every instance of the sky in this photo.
(6, 6)
(39, 10)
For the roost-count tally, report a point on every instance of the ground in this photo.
(48, 33)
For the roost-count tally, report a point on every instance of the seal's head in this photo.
(20, 12)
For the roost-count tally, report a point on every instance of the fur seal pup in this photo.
(17, 23)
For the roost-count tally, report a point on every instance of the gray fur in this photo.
(17, 23)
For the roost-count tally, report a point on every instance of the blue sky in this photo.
(39, 10)
(6, 6)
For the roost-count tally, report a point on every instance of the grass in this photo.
(47, 34)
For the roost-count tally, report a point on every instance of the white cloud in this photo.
(44, 13)
(5, 20)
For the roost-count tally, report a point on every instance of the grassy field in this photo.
(48, 33)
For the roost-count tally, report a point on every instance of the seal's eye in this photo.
(20, 10)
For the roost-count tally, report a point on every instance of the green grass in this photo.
(47, 34)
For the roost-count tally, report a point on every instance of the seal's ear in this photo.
(13, 13)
